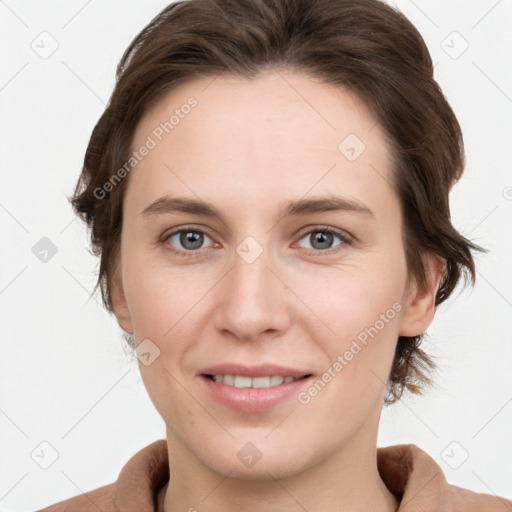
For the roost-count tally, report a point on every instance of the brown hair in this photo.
(365, 46)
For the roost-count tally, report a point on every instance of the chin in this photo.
(272, 466)
(256, 458)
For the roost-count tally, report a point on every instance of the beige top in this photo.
(409, 472)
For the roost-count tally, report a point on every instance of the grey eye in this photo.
(321, 239)
(189, 239)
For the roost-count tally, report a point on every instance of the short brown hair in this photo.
(365, 46)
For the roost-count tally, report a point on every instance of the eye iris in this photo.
(322, 238)
(319, 239)
(194, 237)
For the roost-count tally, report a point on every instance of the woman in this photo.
(268, 193)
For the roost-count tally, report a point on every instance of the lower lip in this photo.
(253, 399)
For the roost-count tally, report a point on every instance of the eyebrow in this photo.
(292, 208)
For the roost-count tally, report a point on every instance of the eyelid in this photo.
(184, 227)
(320, 227)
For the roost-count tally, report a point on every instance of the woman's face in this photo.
(290, 263)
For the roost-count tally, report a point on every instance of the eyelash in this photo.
(345, 239)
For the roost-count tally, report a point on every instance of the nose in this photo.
(252, 299)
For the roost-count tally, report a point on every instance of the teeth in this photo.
(263, 382)
(241, 381)
(275, 381)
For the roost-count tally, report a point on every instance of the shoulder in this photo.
(465, 499)
(136, 488)
(415, 477)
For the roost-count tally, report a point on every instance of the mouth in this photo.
(253, 389)
(243, 381)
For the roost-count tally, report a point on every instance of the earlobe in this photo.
(419, 307)
(119, 304)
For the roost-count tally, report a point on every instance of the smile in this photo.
(253, 394)
(242, 381)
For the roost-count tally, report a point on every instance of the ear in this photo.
(419, 302)
(119, 304)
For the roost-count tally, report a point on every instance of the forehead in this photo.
(282, 133)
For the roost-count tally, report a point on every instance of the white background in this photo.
(64, 375)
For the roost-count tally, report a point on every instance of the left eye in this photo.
(189, 239)
(322, 239)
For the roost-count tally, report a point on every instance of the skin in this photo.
(248, 148)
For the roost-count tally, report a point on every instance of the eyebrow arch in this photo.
(325, 204)
(292, 208)
(184, 205)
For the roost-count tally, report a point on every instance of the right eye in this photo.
(185, 241)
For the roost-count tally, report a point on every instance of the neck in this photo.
(345, 480)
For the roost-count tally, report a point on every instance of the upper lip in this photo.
(260, 370)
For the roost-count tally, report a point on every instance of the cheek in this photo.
(353, 299)
(164, 305)
(362, 311)
(160, 297)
